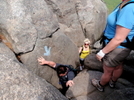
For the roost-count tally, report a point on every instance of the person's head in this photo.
(61, 70)
(86, 42)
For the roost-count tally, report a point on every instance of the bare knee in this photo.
(108, 70)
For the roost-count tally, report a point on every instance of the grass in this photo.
(111, 4)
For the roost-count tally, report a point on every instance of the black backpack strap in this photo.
(72, 69)
(122, 7)
(127, 3)
(129, 44)
(102, 41)
(127, 39)
(126, 44)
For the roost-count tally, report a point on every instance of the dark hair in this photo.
(61, 69)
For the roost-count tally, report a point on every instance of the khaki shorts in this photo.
(116, 57)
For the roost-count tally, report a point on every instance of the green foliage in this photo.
(111, 4)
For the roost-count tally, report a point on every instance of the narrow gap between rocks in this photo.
(9, 45)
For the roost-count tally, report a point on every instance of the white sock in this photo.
(81, 68)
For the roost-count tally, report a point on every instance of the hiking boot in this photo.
(112, 83)
(96, 83)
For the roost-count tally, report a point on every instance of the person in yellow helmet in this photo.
(84, 50)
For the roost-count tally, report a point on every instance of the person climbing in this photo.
(84, 50)
(64, 72)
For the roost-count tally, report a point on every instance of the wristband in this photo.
(101, 54)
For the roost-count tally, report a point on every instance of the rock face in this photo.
(18, 83)
(129, 67)
(80, 18)
(92, 63)
(23, 21)
(84, 90)
(50, 28)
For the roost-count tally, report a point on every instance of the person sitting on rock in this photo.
(84, 50)
(64, 73)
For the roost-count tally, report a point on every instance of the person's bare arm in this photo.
(42, 61)
(80, 49)
(120, 36)
(70, 75)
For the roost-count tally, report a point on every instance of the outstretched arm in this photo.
(42, 61)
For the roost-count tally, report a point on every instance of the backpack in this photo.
(129, 44)
(72, 69)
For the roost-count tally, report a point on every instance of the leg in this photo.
(81, 64)
(105, 78)
(81, 61)
(117, 72)
(114, 58)
(107, 75)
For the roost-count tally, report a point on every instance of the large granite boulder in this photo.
(129, 67)
(92, 63)
(84, 90)
(52, 29)
(32, 30)
(18, 83)
(23, 21)
(80, 18)
(62, 51)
